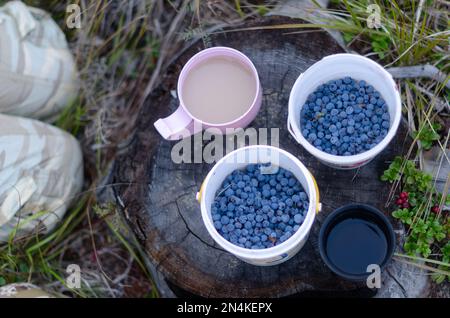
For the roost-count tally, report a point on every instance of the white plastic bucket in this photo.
(334, 67)
(239, 159)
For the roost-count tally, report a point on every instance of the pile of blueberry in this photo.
(344, 117)
(255, 209)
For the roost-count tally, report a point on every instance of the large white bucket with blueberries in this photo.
(294, 181)
(350, 147)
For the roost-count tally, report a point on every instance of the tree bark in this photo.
(159, 200)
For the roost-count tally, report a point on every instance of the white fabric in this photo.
(38, 75)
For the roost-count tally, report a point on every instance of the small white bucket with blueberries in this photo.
(259, 203)
(344, 110)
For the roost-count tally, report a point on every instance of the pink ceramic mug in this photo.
(182, 123)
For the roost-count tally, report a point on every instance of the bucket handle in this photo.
(200, 192)
(289, 127)
(316, 187)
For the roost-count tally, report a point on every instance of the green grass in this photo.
(42, 259)
(34, 258)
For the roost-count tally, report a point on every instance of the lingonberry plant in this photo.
(420, 208)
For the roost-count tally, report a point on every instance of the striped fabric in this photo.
(23, 290)
(40, 166)
(41, 173)
(38, 76)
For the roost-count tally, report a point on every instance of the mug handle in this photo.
(176, 126)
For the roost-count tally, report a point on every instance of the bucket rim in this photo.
(363, 157)
(271, 252)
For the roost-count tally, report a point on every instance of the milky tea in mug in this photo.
(219, 90)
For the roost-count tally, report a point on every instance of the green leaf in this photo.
(23, 267)
(440, 236)
(426, 251)
(393, 172)
(348, 37)
(427, 134)
(410, 248)
(438, 278)
(262, 10)
(2, 281)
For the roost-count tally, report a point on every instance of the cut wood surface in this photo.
(159, 199)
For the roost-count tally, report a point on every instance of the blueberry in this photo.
(289, 202)
(217, 225)
(298, 218)
(312, 137)
(349, 109)
(332, 128)
(255, 239)
(333, 140)
(303, 196)
(251, 168)
(225, 220)
(292, 182)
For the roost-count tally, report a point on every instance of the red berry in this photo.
(399, 201)
(435, 209)
(405, 205)
(404, 195)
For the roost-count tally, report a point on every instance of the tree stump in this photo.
(159, 200)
